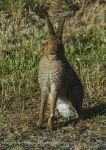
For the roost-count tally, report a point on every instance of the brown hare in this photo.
(59, 84)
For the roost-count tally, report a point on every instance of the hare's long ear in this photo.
(59, 31)
(50, 26)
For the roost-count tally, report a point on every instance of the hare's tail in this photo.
(65, 108)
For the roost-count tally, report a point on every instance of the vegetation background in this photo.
(23, 32)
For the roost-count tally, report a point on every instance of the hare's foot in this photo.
(76, 120)
(39, 125)
(50, 124)
(78, 114)
(57, 115)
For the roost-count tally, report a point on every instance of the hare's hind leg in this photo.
(44, 97)
(76, 97)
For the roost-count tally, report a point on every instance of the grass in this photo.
(20, 50)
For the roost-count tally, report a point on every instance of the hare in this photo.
(59, 84)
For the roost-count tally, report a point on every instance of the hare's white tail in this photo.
(65, 108)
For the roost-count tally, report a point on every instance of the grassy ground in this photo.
(20, 50)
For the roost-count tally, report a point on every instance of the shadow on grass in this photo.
(99, 109)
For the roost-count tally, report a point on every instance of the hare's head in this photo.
(54, 47)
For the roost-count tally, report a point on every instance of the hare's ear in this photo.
(50, 26)
(59, 31)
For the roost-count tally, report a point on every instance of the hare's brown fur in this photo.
(59, 83)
